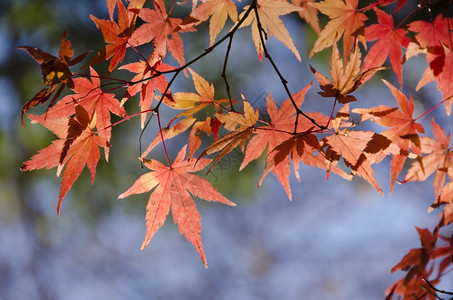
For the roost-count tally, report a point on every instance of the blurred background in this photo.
(335, 240)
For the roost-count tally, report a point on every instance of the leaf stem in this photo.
(163, 140)
(433, 108)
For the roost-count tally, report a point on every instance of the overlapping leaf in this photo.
(359, 149)
(71, 153)
(147, 88)
(162, 30)
(269, 12)
(116, 35)
(241, 127)
(54, 71)
(439, 159)
(218, 11)
(404, 129)
(191, 103)
(345, 21)
(309, 13)
(97, 102)
(279, 130)
(436, 39)
(346, 75)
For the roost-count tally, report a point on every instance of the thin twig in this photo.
(223, 75)
(282, 79)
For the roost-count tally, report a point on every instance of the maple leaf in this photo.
(174, 187)
(278, 130)
(302, 147)
(404, 129)
(147, 88)
(208, 126)
(435, 37)
(162, 30)
(352, 146)
(89, 95)
(309, 13)
(116, 35)
(95, 101)
(169, 132)
(241, 127)
(269, 12)
(390, 41)
(217, 11)
(417, 263)
(345, 21)
(54, 71)
(346, 75)
(439, 159)
(193, 103)
(134, 6)
(79, 148)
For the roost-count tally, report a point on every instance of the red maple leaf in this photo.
(436, 38)
(390, 41)
(439, 159)
(162, 30)
(174, 187)
(90, 96)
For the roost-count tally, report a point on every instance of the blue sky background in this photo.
(335, 240)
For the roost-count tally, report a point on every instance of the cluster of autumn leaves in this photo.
(332, 142)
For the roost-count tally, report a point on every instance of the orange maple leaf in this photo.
(278, 130)
(269, 12)
(345, 20)
(356, 148)
(217, 11)
(309, 13)
(147, 88)
(241, 127)
(99, 103)
(89, 95)
(390, 41)
(439, 159)
(174, 187)
(162, 30)
(116, 35)
(346, 75)
(193, 103)
(71, 153)
(404, 129)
